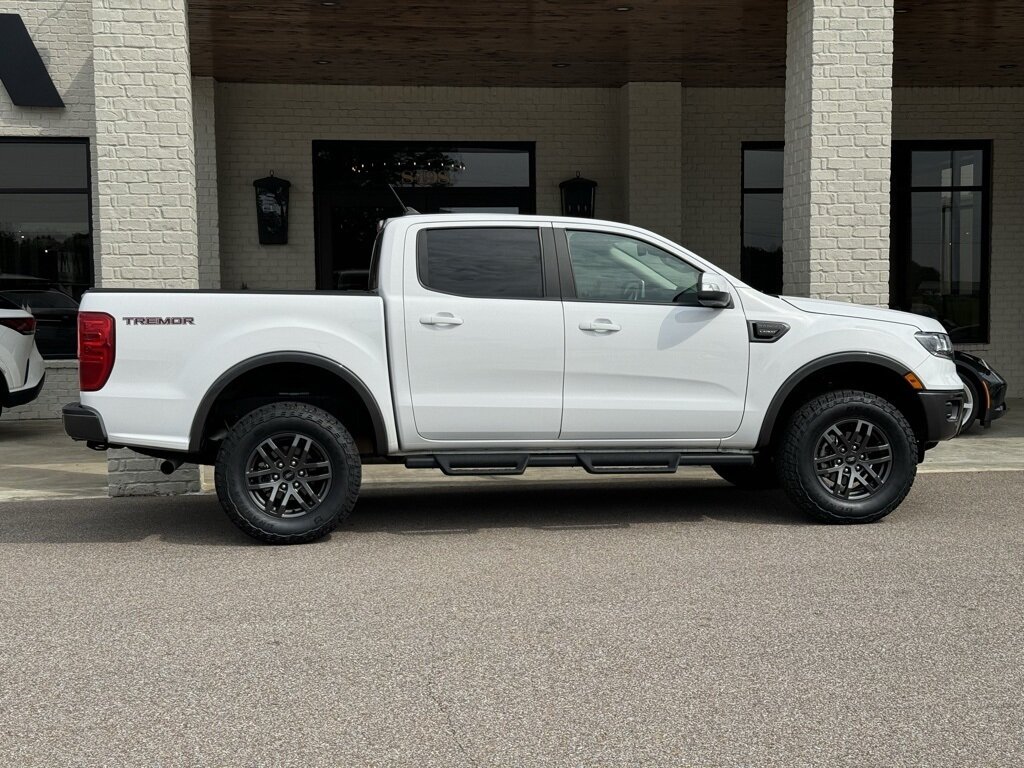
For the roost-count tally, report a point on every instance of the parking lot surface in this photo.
(674, 622)
(41, 462)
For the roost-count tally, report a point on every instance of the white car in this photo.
(20, 361)
(486, 344)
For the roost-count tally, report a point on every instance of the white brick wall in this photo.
(145, 156)
(62, 32)
(652, 120)
(716, 122)
(207, 214)
(997, 114)
(264, 127)
(146, 175)
(838, 133)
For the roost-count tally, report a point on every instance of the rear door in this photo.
(483, 329)
(643, 361)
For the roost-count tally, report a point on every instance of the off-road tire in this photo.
(796, 457)
(759, 476)
(265, 422)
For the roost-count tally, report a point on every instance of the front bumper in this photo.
(942, 412)
(84, 423)
(24, 396)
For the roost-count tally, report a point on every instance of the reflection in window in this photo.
(761, 259)
(492, 262)
(45, 228)
(609, 267)
(943, 247)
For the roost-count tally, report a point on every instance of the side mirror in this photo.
(710, 293)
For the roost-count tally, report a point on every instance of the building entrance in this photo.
(351, 195)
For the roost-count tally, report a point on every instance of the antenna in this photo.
(406, 210)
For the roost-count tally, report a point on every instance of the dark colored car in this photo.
(56, 316)
(985, 389)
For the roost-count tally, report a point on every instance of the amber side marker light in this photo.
(913, 381)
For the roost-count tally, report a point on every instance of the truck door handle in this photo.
(601, 324)
(441, 318)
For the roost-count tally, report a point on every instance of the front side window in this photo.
(610, 267)
(46, 234)
(482, 262)
(940, 238)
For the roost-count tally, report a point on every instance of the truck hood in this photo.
(861, 312)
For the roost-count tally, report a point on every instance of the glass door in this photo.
(940, 234)
(351, 194)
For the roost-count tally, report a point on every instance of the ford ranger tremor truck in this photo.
(488, 344)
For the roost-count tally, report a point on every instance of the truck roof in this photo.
(428, 218)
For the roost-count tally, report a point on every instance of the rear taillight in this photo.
(95, 349)
(23, 325)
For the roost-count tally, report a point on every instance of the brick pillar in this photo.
(838, 142)
(652, 156)
(146, 175)
(204, 121)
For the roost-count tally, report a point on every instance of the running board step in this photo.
(598, 463)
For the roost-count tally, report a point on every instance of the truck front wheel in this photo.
(288, 473)
(848, 457)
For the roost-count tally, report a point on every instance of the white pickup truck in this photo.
(487, 344)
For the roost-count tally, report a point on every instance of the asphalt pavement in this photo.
(655, 622)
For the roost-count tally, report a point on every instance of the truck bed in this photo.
(173, 346)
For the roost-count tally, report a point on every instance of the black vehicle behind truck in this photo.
(984, 388)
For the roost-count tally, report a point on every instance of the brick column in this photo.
(145, 207)
(205, 124)
(838, 142)
(652, 156)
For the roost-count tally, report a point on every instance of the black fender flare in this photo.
(273, 358)
(808, 369)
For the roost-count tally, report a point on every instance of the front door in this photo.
(483, 334)
(643, 361)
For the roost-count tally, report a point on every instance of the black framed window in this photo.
(46, 252)
(351, 194)
(941, 233)
(45, 215)
(761, 217)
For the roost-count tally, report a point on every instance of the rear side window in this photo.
(482, 262)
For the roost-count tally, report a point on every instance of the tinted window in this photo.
(608, 267)
(940, 244)
(44, 165)
(46, 230)
(761, 258)
(484, 263)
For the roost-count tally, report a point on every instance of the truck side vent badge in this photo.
(766, 332)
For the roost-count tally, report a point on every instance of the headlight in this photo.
(936, 343)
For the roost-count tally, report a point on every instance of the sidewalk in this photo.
(40, 462)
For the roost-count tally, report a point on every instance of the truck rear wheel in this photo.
(288, 473)
(848, 457)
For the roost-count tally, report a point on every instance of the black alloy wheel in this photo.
(853, 459)
(848, 457)
(288, 473)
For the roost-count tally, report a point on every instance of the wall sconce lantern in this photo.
(579, 197)
(272, 209)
